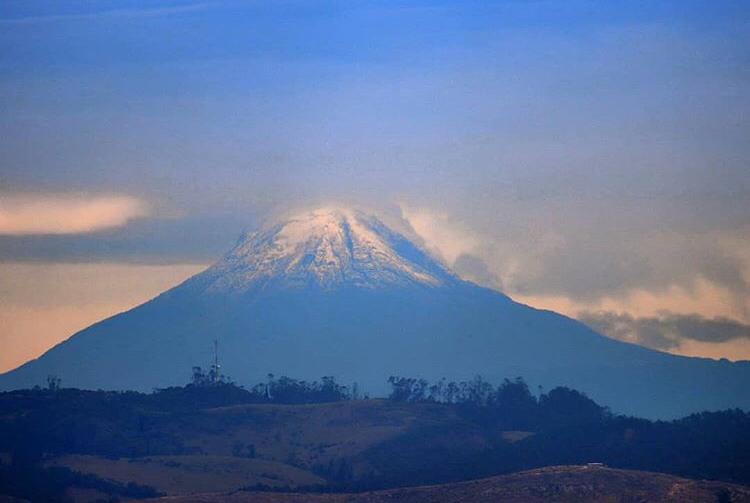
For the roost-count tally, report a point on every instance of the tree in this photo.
(407, 389)
(567, 406)
(513, 403)
(53, 382)
(199, 377)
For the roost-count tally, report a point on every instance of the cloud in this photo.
(61, 214)
(705, 298)
(440, 234)
(475, 269)
(667, 331)
(590, 253)
(588, 266)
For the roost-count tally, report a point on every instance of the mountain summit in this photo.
(327, 248)
(335, 292)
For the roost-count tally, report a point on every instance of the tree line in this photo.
(509, 404)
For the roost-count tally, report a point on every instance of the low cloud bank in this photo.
(22, 215)
(666, 331)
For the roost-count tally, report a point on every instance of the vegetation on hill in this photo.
(290, 434)
(559, 484)
(211, 389)
(510, 405)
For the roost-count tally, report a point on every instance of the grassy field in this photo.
(270, 445)
(191, 474)
(308, 434)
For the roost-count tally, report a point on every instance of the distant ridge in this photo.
(334, 291)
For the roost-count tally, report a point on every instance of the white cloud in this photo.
(524, 263)
(440, 234)
(27, 214)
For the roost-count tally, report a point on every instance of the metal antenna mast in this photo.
(216, 361)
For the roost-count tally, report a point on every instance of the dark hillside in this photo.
(215, 436)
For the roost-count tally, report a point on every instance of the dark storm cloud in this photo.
(666, 331)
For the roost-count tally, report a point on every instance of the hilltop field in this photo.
(559, 484)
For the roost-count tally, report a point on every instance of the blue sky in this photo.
(583, 156)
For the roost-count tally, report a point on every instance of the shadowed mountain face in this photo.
(335, 292)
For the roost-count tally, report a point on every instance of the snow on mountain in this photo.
(334, 292)
(325, 247)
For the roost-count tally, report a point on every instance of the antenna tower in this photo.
(215, 373)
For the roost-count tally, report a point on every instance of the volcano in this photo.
(335, 292)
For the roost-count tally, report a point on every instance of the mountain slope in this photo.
(335, 292)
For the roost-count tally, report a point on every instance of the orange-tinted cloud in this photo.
(706, 320)
(62, 214)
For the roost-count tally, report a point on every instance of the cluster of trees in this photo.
(212, 377)
(274, 390)
(509, 404)
(293, 391)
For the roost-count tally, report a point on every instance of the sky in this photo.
(583, 156)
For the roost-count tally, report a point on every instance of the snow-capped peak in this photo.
(327, 247)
